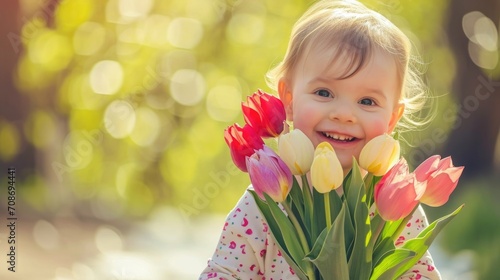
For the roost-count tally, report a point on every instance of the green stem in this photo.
(369, 188)
(327, 211)
(368, 180)
(308, 203)
(296, 224)
(402, 225)
(302, 237)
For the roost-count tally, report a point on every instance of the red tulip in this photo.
(397, 193)
(441, 178)
(242, 142)
(269, 174)
(265, 113)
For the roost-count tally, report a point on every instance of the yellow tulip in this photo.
(297, 151)
(326, 171)
(379, 154)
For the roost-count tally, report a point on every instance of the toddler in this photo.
(345, 79)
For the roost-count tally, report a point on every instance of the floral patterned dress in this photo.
(246, 249)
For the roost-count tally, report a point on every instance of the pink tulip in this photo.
(441, 178)
(426, 168)
(397, 193)
(242, 142)
(269, 174)
(265, 113)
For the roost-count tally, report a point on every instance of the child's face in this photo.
(345, 112)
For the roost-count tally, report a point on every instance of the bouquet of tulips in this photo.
(325, 233)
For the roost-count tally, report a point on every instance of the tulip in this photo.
(242, 142)
(441, 178)
(265, 113)
(269, 174)
(426, 168)
(379, 154)
(397, 193)
(297, 151)
(326, 171)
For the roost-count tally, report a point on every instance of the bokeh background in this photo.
(112, 113)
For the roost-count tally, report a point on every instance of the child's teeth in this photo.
(338, 136)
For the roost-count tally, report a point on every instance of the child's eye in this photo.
(367, 102)
(323, 93)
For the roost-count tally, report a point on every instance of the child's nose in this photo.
(343, 112)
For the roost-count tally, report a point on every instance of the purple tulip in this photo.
(269, 174)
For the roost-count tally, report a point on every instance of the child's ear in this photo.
(396, 116)
(286, 97)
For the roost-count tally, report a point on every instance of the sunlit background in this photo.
(112, 113)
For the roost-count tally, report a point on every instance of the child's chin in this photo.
(346, 162)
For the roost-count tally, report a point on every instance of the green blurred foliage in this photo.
(130, 98)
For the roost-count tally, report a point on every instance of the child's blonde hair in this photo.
(353, 31)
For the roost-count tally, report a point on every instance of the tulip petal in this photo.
(242, 142)
(275, 112)
(251, 116)
(379, 154)
(297, 151)
(445, 163)
(269, 174)
(265, 113)
(319, 178)
(396, 193)
(404, 193)
(423, 171)
(263, 179)
(455, 173)
(440, 186)
(287, 154)
(326, 169)
(397, 201)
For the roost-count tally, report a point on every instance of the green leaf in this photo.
(349, 232)
(308, 203)
(296, 198)
(360, 261)
(351, 191)
(353, 187)
(328, 253)
(383, 246)
(347, 182)
(390, 228)
(268, 216)
(288, 232)
(377, 225)
(370, 181)
(418, 246)
(423, 241)
(335, 204)
(385, 241)
(319, 218)
(296, 202)
(393, 260)
(277, 235)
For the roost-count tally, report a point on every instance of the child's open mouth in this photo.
(339, 137)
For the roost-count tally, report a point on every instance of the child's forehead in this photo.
(334, 59)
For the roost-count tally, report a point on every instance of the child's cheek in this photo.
(375, 128)
(304, 117)
(302, 124)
